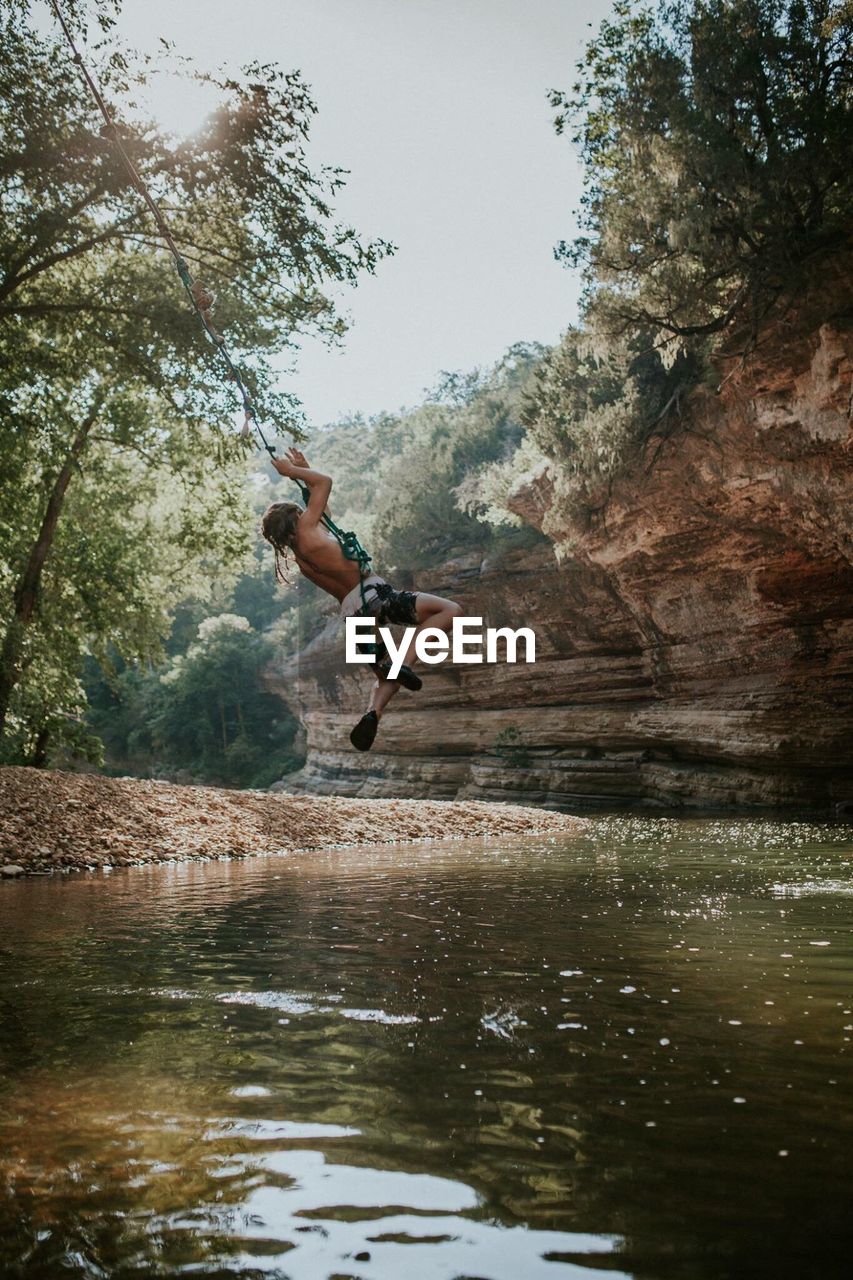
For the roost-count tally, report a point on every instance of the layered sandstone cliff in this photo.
(695, 645)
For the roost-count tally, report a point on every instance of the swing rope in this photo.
(202, 301)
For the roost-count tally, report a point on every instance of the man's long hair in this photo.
(278, 525)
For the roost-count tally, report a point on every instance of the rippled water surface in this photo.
(624, 1053)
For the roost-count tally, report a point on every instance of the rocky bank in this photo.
(52, 821)
(695, 639)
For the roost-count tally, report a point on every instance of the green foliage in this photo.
(591, 412)
(160, 727)
(718, 147)
(48, 721)
(204, 717)
(124, 555)
(509, 744)
(112, 405)
(397, 478)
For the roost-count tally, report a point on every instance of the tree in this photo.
(102, 358)
(718, 147)
(717, 140)
(397, 478)
(206, 715)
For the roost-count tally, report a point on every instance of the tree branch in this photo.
(9, 286)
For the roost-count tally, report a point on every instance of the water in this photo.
(625, 1054)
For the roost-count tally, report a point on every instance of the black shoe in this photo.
(364, 733)
(406, 676)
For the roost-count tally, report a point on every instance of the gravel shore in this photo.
(51, 821)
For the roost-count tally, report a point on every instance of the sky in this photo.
(438, 108)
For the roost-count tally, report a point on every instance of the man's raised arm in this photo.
(294, 464)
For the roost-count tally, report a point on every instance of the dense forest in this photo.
(139, 607)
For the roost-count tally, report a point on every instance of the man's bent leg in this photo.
(432, 611)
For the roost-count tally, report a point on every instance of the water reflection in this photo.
(626, 1053)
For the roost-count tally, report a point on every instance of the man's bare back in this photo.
(319, 556)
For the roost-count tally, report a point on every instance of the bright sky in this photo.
(438, 108)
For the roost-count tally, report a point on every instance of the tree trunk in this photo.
(224, 731)
(27, 589)
(39, 759)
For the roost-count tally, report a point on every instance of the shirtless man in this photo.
(292, 529)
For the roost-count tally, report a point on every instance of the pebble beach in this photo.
(52, 821)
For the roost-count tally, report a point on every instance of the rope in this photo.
(201, 300)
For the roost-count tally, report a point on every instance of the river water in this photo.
(624, 1053)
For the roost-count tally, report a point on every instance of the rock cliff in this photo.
(695, 643)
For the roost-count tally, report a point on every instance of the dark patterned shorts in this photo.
(395, 608)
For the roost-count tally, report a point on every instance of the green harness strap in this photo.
(202, 303)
